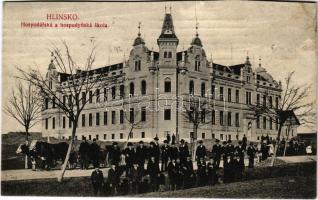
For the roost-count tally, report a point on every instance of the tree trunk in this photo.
(27, 142)
(276, 145)
(60, 178)
(195, 129)
(286, 142)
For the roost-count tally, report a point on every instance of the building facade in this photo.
(153, 89)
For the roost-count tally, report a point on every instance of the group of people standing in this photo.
(172, 165)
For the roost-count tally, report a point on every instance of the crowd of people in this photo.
(140, 168)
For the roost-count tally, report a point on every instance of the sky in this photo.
(283, 34)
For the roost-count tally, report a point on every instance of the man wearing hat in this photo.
(97, 180)
(173, 152)
(129, 153)
(230, 147)
(141, 153)
(183, 151)
(95, 153)
(156, 149)
(224, 150)
(114, 154)
(200, 151)
(217, 151)
(83, 152)
(251, 151)
(135, 178)
(240, 151)
(164, 155)
(153, 171)
(211, 168)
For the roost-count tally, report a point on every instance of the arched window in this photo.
(167, 85)
(137, 65)
(191, 87)
(165, 54)
(143, 87)
(203, 89)
(132, 89)
(122, 91)
(197, 63)
(113, 92)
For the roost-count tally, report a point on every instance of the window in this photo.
(121, 136)
(165, 54)
(203, 116)
(270, 101)
(237, 96)
(121, 116)
(270, 123)
(258, 122)
(90, 98)
(131, 135)
(229, 118)
(105, 136)
(70, 100)
(248, 79)
(221, 137)
(221, 118)
(97, 95)
(202, 89)
(50, 84)
(83, 97)
(105, 118)
(90, 119)
(89, 137)
(276, 103)
(122, 91)
(53, 123)
(229, 95)
(258, 99)
(169, 54)
(113, 136)
(221, 93)
(143, 87)
(143, 114)
(83, 120)
(63, 124)
(105, 94)
(53, 102)
(203, 135)
(257, 137)
(137, 65)
(213, 136)
(237, 119)
(113, 117)
(69, 123)
(167, 85)
(197, 64)
(248, 98)
(167, 114)
(131, 89)
(143, 135)
(213, 91)
(114, 92)
(229, 137)
(97, 119)
(191, 87)
(264, 122)
(46, 123)
(264, 100)
(46, 103)
(131, 115)
(213, 117)
(64, 99)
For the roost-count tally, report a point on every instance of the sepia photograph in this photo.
(165, 99)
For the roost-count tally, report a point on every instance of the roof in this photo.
(236, 69)
(289, 114)
(167, 30)
(138, 41)
(196, 41)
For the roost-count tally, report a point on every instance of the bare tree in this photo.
(196, 111)
(294, 99)
(69, 87)
(24, 106)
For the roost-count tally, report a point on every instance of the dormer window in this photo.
(248, 79)
(137, 65)
(197, 64)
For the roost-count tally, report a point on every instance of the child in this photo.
(162, 182)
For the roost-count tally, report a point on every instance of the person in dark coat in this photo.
(228, 167)
(217, 152)
(179, 177)
(187, 167)
(97, 181)
(113, 179)
(141, 154)
(83, 152)
(95, 153)
(153, 171)
(211, 168)
(173, 152)
(129, 153)
(172, 174)
(224, 150)
(240, 151)
(161, 182)
(173, 138)
(237, 169)
(156, 149)
(200, 151)
(201, 172)
(183, 151)
(230, 148)
(135, 178)
(168, 138)
(244, 141)
(251, 151)
(164, 155)
(114, 154)
(264, 151)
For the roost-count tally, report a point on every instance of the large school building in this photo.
(158, 86)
